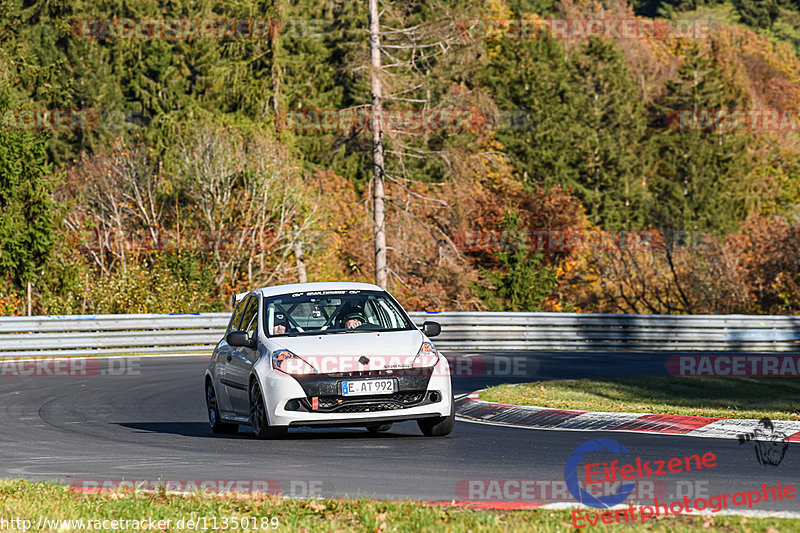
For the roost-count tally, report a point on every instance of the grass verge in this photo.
(24, 500)
(776, 398)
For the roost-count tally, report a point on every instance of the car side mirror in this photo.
(431, 329)
(240, 338)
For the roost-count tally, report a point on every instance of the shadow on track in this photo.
(201, 429)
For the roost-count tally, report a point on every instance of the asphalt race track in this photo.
(145, 419)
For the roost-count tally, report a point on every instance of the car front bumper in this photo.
(420, 393)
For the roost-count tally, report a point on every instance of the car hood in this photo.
(383, 343)
(343, 352)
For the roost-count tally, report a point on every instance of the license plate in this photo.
(366, 387)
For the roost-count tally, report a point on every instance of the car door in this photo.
(223, 358)
(242, 360)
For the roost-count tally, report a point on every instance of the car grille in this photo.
(339, 404)
(367, 408)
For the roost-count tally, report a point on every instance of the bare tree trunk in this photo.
(85, 292)
(275, 73)
(378, 195)
(298, 257)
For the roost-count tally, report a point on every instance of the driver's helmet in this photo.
(280, 320)
(355, 314)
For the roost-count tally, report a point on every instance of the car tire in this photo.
(379, 428)
(214, 419)
(258, 416)
(439, 427)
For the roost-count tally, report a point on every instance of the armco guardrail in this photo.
(198, 333)
(583, 331)
(110, 334)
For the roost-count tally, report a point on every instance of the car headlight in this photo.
(289, 363)
(427, 355)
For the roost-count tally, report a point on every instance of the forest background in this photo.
(649, 173)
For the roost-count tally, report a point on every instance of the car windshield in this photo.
(333, 312)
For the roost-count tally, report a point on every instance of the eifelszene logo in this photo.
(614, 472)
(571, 474)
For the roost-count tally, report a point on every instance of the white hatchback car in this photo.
(326, 354)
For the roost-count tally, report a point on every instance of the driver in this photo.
(354, 319)
(281, 325)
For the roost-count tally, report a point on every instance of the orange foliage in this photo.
(340, 246)
(770, 265)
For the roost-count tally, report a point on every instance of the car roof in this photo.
(306, 287)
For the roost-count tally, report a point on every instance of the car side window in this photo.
(250, 316)
(370, 314)
(233, 325)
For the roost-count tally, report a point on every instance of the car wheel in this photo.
(214, 419)
(258, 416)
(379, 428)
(439, 427)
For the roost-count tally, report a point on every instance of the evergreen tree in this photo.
(522, 283)
(522, 8)
(609, 126)
(758, 14)
(669, 8)
(585, 123)
(532, 78)
(148, 84)
(27, 211)
(700, 174)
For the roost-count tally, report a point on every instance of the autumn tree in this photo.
(248, 203)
